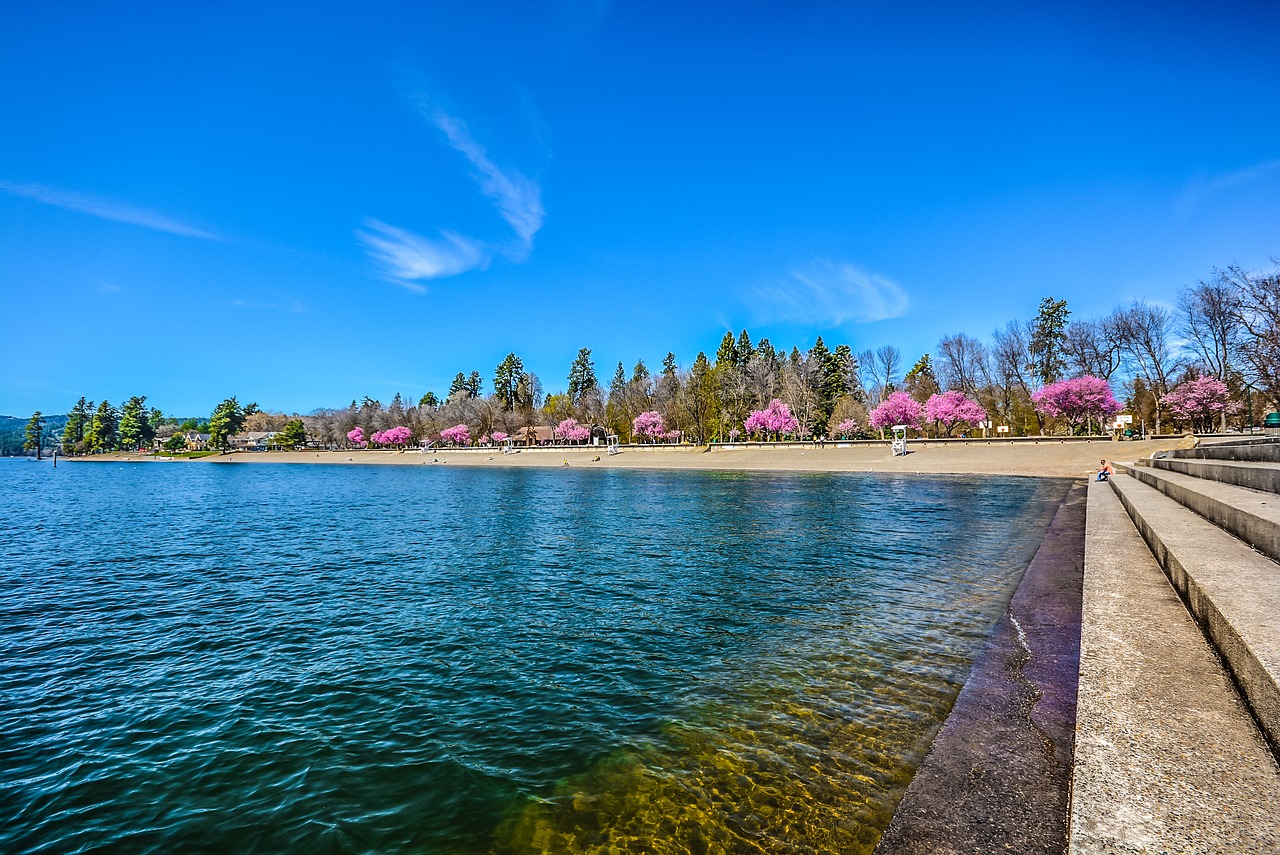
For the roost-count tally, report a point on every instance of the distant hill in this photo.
(13, 433)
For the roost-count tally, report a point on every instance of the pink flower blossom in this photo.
(649, 424)
(356, 437)
(774, 419)
(500, 436)
(1077, 400)
(458, 435)
(953, 408)
(398, 435)
(1198, 400)
(570, 431)
(897, 409)
(846, 427)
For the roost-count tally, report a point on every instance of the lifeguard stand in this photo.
(612, 441)
(899, 440)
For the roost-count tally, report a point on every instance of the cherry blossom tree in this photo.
(1198, 401)
(500, 436)
(846, 427)
(897, 409)
(649, 424)
(1078, 401)
(953, 408)
(774, 420)
(398, 435)
(570, 431)
(458, 435)
(356, 437)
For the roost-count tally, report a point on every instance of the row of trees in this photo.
(1158, 361)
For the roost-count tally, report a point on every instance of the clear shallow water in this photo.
(422, 659)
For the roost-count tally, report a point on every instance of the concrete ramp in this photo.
(1178, 721)
(1168, 757)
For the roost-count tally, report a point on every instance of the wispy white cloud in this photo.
(517, 197)
(106, 209)
(826, 292)
(1204, 186)
(409, 258)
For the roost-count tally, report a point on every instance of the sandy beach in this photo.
(1048, 457)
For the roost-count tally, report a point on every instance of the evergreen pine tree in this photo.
(506, 381)
(34, 434)
(77, 423)
(743, 351)
(1049, 340)
(293, 435)
(100, 436)
(728, 351)
(582, 376)
(133, 425)
(227, 420)
(459, 384)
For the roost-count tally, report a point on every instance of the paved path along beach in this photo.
(1049, 457)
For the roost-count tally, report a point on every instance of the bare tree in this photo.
(763, 379)
(867, 376)
(961, 360)
(1012, 366)
(801, 379)
(1145, 333)
(1212, 324)
(1260, 317)
(886, 368)
(1211, 321)
(1093, 348)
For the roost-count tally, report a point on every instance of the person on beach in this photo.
(1105, 471)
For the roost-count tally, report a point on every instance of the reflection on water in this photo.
(413, 659)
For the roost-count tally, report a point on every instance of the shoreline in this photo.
(1048, 458)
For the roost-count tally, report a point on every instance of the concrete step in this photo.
(1257, 450)
(1250, 515)
(1167, 757)
(1253, 475)
(1232, 591)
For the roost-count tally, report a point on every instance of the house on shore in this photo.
(540, 435)
(254, 440)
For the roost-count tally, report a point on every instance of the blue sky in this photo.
(301, 206)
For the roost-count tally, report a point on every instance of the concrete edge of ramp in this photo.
(997, 776)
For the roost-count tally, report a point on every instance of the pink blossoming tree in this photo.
(649, 425)
(457, 435)
(500, 436)
(1198, 401)
(570, 431)
(846, 427)
(356, 437)
(950, 409)
(774, 420)
(1077, 401)
(897, 409)
(397, 436)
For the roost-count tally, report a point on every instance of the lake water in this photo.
(348, 658)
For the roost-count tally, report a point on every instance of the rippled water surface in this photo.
(425, 659)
